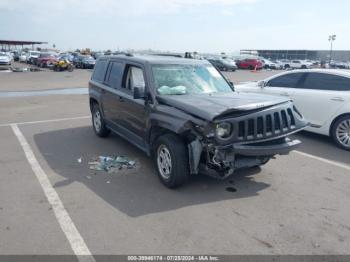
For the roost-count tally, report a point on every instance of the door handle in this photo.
(338, 99)
(284, 94)
(121, 99)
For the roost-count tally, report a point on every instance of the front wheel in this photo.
(70, 68)
(171, 158)
(341, 132)
(98, 122)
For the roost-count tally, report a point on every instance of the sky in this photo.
(178, 25)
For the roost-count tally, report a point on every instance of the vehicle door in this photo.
(132, 112)
(320, 96)
(296, 64)
(111, 94)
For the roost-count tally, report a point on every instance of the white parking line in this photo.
(46, 121)
(76, 241)
(334, 163)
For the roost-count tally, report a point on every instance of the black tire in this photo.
(179, 167)
(70, 68)
(100, 129)
(303, 67)
(251, 67)
(341, 121)
(286, 66)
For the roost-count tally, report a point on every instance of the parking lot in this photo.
(52, 204)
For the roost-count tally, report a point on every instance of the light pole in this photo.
(331, 38)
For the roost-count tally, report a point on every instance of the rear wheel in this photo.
(98, 122)
(171, 158)
(341, 132)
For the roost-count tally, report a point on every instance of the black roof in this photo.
(154, 59)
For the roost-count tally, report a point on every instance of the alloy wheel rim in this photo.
(343, 133)
(97, 121)
(164, 161)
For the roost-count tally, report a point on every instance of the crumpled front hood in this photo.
(210, 106)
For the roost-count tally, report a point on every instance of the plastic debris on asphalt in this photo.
(112, 164)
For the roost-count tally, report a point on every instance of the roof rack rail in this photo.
(122, 53)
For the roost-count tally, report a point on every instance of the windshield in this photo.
(188, 79)
(228, 61)
(89, 58)
(46, 54)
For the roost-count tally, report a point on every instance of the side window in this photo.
(134, 78)
(115, 75)
(322, 81)
(288, 80)
(100, 71)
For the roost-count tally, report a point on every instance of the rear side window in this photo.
(322, 81)
(115, 75)
(100, 71)
(288, 80)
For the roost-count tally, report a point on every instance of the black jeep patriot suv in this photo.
(188, 117)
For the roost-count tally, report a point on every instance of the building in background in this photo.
(7, 45)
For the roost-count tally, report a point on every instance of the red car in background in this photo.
(46, 60)
(250, 63)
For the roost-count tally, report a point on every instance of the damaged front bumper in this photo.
(222, 161)
(268, 149)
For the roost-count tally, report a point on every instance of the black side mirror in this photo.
(139, 92)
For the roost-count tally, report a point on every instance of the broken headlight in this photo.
(223, 130)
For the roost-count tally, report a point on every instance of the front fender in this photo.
(172, 119)
(166, 119)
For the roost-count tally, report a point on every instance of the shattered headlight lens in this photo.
(223, 130)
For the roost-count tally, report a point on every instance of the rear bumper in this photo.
(267, 150)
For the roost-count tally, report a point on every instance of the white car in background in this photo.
(5, 59)
(299, 64)
(268, 64)
(321, 95)
(31, 56)
(23, 57)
